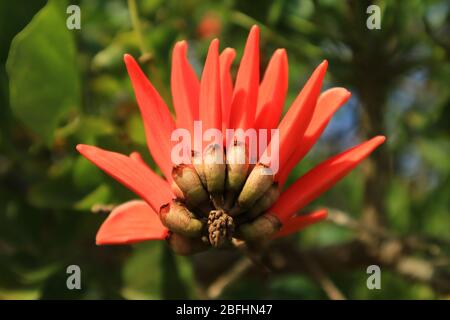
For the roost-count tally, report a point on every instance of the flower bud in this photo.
(188, 181)
(177, 218)
(214, 168)
(197, 161)
(260, 229)
(185, 245)
(237, 167)
(176, 190)
(264, 203)
(258, 182)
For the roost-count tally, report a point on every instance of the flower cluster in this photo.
(221, 195)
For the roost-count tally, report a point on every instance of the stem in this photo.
(241, 19)
(146, 56)
(132, 7)
(226, 279)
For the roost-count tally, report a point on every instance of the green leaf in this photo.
(52, 193)
(19, 294)
(398, 202)
(101, 194)
(43, 78)
(435, 152)
(13, 18)
(294, 287)
(142, 273)
(172, 286)
(85, 175)
(135, 129)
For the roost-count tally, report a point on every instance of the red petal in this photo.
(297, 223)
(157, 119)
(297, 119)
(321, 178)
(185, 87)
(133, 221)
(137, 156)
(226, 59)
(245, 95)
(210, 108)
(327, 104)
(131, 173)
(272, 92)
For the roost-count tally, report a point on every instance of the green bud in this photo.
(260, 229)
(265, 202)
(258, 182)
(197, 161)
(176, 190)
(177, 218)
(237, 167)
(188, 181)
(214, 168)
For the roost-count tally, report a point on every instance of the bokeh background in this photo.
(61, 87)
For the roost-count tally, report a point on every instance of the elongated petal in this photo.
(158, 121)
(296, 223)
(131, 222)
(226, 84)
(131, 173)
(321, 178)
(245, 95)
(137, 156)
(272, 92)
(185, 87)
(210, 100)
(293, 125)
(328, 103)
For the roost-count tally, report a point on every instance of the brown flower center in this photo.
(220, 228)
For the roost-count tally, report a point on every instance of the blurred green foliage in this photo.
(61, 87)
(50, 51)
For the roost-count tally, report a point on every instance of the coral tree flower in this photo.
(195, 207)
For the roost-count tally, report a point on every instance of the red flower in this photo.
(210, 25)
(219, 103)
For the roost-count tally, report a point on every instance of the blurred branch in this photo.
(146, 56)
(299, 47)
(323, 280)
(412, 242)
(242, 266)
(397, 254)
(229, 277)
(254, 254)
(355, 255)
(132, 7)
(100, 208)
(445, 45)
(252, 258)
